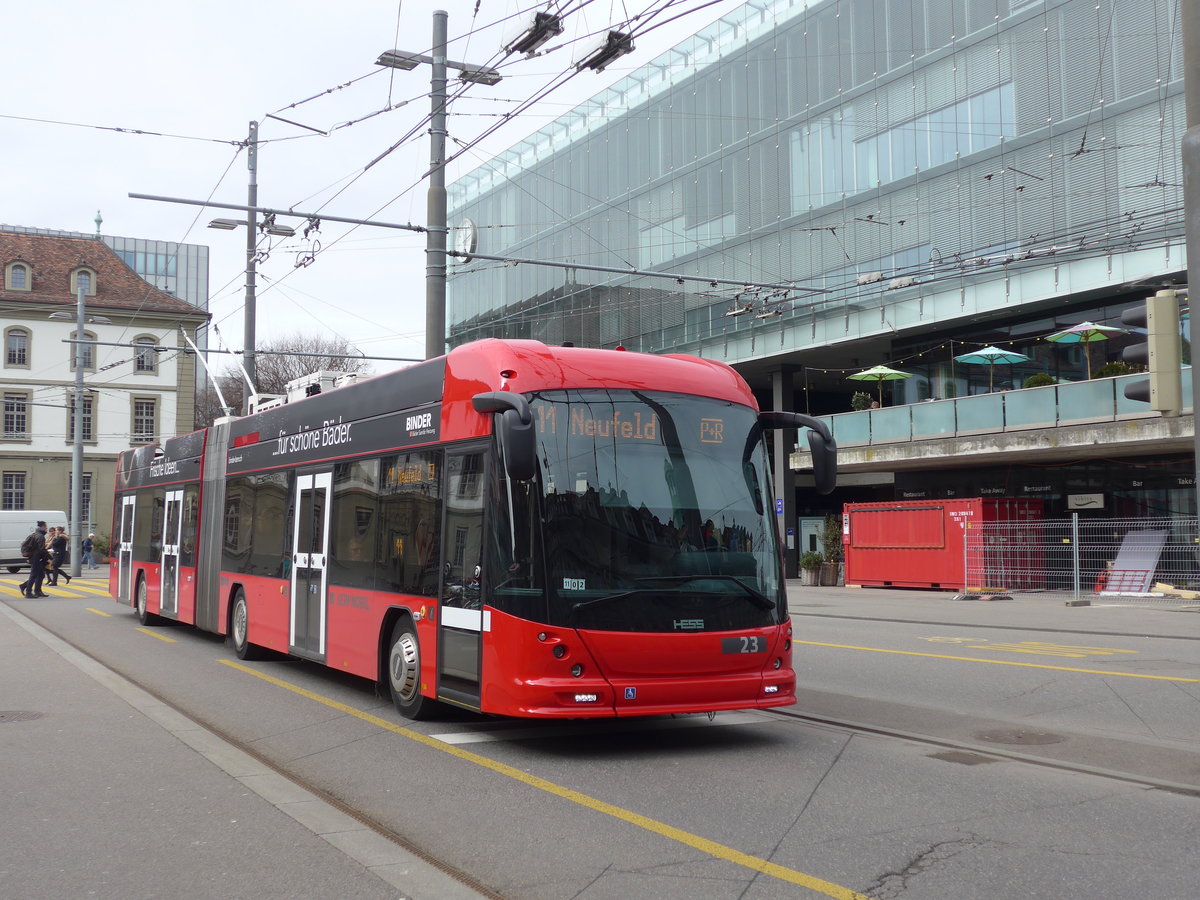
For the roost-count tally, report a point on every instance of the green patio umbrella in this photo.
(879, 374)
(1085, 333)
(991, 357)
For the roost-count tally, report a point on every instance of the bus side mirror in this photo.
(515, 430)
(820, 441)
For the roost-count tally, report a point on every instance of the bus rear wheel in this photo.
(143, 594)
(404, 673)
(239, 629)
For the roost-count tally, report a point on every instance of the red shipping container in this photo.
(920, 543)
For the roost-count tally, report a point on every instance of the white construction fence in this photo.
(1099, 561)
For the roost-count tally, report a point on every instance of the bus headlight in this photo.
(586, 698)
(771, 689)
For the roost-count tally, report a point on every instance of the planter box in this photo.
(809, 577)
(831, 574)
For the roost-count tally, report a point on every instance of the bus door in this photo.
(125, 551)
(310, 556)
(168, 603)
(462, 621)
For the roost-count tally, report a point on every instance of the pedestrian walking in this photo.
(89, 545)
(59, 555)
(33, 548)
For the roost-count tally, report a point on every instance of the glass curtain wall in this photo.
(880, 150)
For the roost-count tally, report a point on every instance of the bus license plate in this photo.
(745, 644)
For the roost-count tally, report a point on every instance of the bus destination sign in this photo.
(638, 427)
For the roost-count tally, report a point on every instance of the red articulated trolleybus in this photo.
(519, 529)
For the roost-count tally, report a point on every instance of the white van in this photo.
(15, 526)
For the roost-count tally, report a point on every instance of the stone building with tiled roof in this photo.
(139, 383)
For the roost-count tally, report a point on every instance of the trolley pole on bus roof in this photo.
(436, 225)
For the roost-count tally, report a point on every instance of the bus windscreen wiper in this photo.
(762, 601)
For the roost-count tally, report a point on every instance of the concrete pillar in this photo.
(783, 399)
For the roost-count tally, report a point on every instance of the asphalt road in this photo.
(756, 805)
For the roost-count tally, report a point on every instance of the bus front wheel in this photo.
(239, 629)
(404, 673)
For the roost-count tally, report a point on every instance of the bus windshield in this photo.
(652, 513)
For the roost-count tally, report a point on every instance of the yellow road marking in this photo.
(712, 848)
(1046, 649)
(99, 592)
(98, 612)
(155, 634)
(1003, 662)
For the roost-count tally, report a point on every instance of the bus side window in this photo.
(410, 518)
(191, 515)
(237, 523)
(272, 496)
(465, 473)
(147, 536)
(353, 522)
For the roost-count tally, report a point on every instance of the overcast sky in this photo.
(194, 75)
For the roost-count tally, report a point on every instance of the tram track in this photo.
(989, 751)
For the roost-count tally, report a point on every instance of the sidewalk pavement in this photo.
(1026, 611)
(109, 793)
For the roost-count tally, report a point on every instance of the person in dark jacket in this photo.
(37, 563)
(88, 548)
(58, 555)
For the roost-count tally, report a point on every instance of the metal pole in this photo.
(76, 523)
(1075, 552)
(435, 237)
(1190, 24)
(248, 336)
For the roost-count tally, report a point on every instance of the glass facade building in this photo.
(907, 173)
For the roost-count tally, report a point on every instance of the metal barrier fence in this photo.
(1101, 561)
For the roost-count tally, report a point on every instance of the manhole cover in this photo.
(18, 715)
(1018, 736)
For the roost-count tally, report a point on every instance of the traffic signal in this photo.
(1160, 353)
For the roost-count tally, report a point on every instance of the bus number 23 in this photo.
(744, 644)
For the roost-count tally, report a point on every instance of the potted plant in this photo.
(831, 544)
(860, 401)
(810, 567)
(100, 549)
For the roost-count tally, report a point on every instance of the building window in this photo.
(16, 417)
(89, 352)
(144, 430)
(12, 493)
(85, 498)
(17, 277)
(86, 279)
(88, 418)
(16, 347)
(145, 355)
